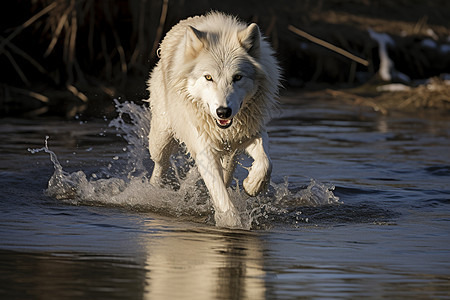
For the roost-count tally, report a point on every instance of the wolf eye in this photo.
(208, 77)
(237, 77)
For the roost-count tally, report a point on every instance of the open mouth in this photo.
(224, 123)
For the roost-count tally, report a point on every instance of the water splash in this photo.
(184, 194)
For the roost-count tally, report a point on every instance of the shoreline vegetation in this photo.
(70, 57)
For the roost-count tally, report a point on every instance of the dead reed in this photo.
(75, 50)
(87, 42)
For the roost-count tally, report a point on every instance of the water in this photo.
(359, 207)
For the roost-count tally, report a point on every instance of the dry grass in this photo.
(97, 22)
(432, 97)
(89, 47)
(84, 46)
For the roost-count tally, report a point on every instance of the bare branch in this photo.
(328, 45)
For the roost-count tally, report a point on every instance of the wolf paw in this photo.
(156, 181)
(228, 219)
(258, 178)
(254, 186)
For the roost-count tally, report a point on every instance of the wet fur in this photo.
(182, 114)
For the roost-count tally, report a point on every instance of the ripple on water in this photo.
(184, 195)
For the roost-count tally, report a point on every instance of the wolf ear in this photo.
(194, 41)
(250, 39)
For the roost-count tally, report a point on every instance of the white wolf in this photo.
(213, 89)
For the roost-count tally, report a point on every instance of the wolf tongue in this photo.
(224, 122)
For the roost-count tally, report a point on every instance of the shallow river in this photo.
(359, 207)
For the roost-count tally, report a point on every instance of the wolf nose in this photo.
(223, 112)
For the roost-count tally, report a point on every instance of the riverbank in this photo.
(74, 57)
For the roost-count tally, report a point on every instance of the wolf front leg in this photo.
(259, 173)
(226, 214)
(228, 166)
(161, 145)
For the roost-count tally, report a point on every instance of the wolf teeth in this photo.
(224, 123)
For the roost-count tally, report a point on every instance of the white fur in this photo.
(184, 103)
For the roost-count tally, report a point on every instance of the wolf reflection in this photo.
(205, 265)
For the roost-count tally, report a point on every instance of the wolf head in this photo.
(223, 73)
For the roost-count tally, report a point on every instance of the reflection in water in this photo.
(387, 239)
(68, 276)
(205, 265)
(187, 264)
